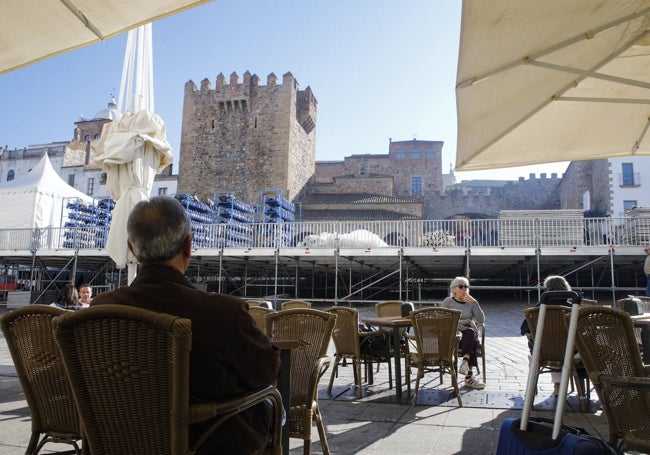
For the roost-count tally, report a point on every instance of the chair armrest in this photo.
(224, 410)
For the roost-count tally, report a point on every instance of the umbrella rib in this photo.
(579, 72)
(561, 45)
(82, 18)
(637, 144)
(603, 100)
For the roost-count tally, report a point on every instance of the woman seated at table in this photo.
(472, 314)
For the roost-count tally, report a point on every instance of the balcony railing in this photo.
(529, 232)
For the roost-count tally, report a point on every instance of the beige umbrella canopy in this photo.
(552, 80)
(32, 30)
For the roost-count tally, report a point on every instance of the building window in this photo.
(415, 154)
(102, 179)
(91, 186)
(71, 179)
(627, 176)
(416, 186)
(431, 154)
(97, 136)
(628, 205)
(11, 175)
(162, 191)
(87, 138)
(400, 154)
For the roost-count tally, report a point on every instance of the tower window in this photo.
(400, 154)
(71, 179)
(90, 189)
(11, 175)
(415, 154)
(431, 154)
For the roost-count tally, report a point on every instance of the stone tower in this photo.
(247, 138)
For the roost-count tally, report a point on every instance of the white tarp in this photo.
(33, 30)
(552, 80)
(355, 239)
(35, 199)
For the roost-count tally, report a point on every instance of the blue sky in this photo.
(379, 69)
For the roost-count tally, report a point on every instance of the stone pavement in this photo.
(379, 423)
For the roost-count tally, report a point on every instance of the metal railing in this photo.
(504, 232)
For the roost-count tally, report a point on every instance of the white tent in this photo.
(35, 200)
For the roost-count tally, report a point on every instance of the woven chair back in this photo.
(389, 308)
(291, 304)
(346, 331)
(555, 334)
(435, 334)
(129, 370)
(313, 329)
(607, 345)
(40, 369)
(259, 315)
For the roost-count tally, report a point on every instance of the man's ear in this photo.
(187, 246)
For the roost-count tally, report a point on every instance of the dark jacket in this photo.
(230, 355)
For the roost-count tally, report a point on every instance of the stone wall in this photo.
(246, 138)
(581, 176)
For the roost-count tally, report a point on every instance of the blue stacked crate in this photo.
(279, 214)
(237, 218)
(78, 228)
(103, 211)
(201, 216)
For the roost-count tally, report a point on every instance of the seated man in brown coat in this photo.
(230, 355)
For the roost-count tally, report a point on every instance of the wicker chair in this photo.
(129, 371)
(347, 343)
(38, 362)
(551, 354)
(606, 342)
(291, 304)
(435, 341)
(313, 329)
(259, 315)
(388, 308)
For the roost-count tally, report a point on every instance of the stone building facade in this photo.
(246, 138)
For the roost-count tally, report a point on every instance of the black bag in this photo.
(376, 345)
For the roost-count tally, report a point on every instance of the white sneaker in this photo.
(474, 383)
(464, 367)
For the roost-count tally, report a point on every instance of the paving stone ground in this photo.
(379, 423)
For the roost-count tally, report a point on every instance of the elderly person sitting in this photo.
(472, 314)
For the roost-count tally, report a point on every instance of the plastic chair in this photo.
(130, 369)
(608, 348)
(38, 362)
(291, 304)
(553, 348)
(347, 343)
(313, 329)
(435, 341)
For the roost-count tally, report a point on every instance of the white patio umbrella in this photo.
(552, 80)
(133, 148)
(32, 30)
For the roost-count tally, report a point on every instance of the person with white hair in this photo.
(472, 315)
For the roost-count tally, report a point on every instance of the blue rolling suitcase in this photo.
(530, 435)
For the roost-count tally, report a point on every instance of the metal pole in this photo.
(538, 252)
(611, 268)
(336, 277)
(400, 252)
(220, 266)
(275, 284)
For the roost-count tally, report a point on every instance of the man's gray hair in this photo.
(556, 283)
(157, 229)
